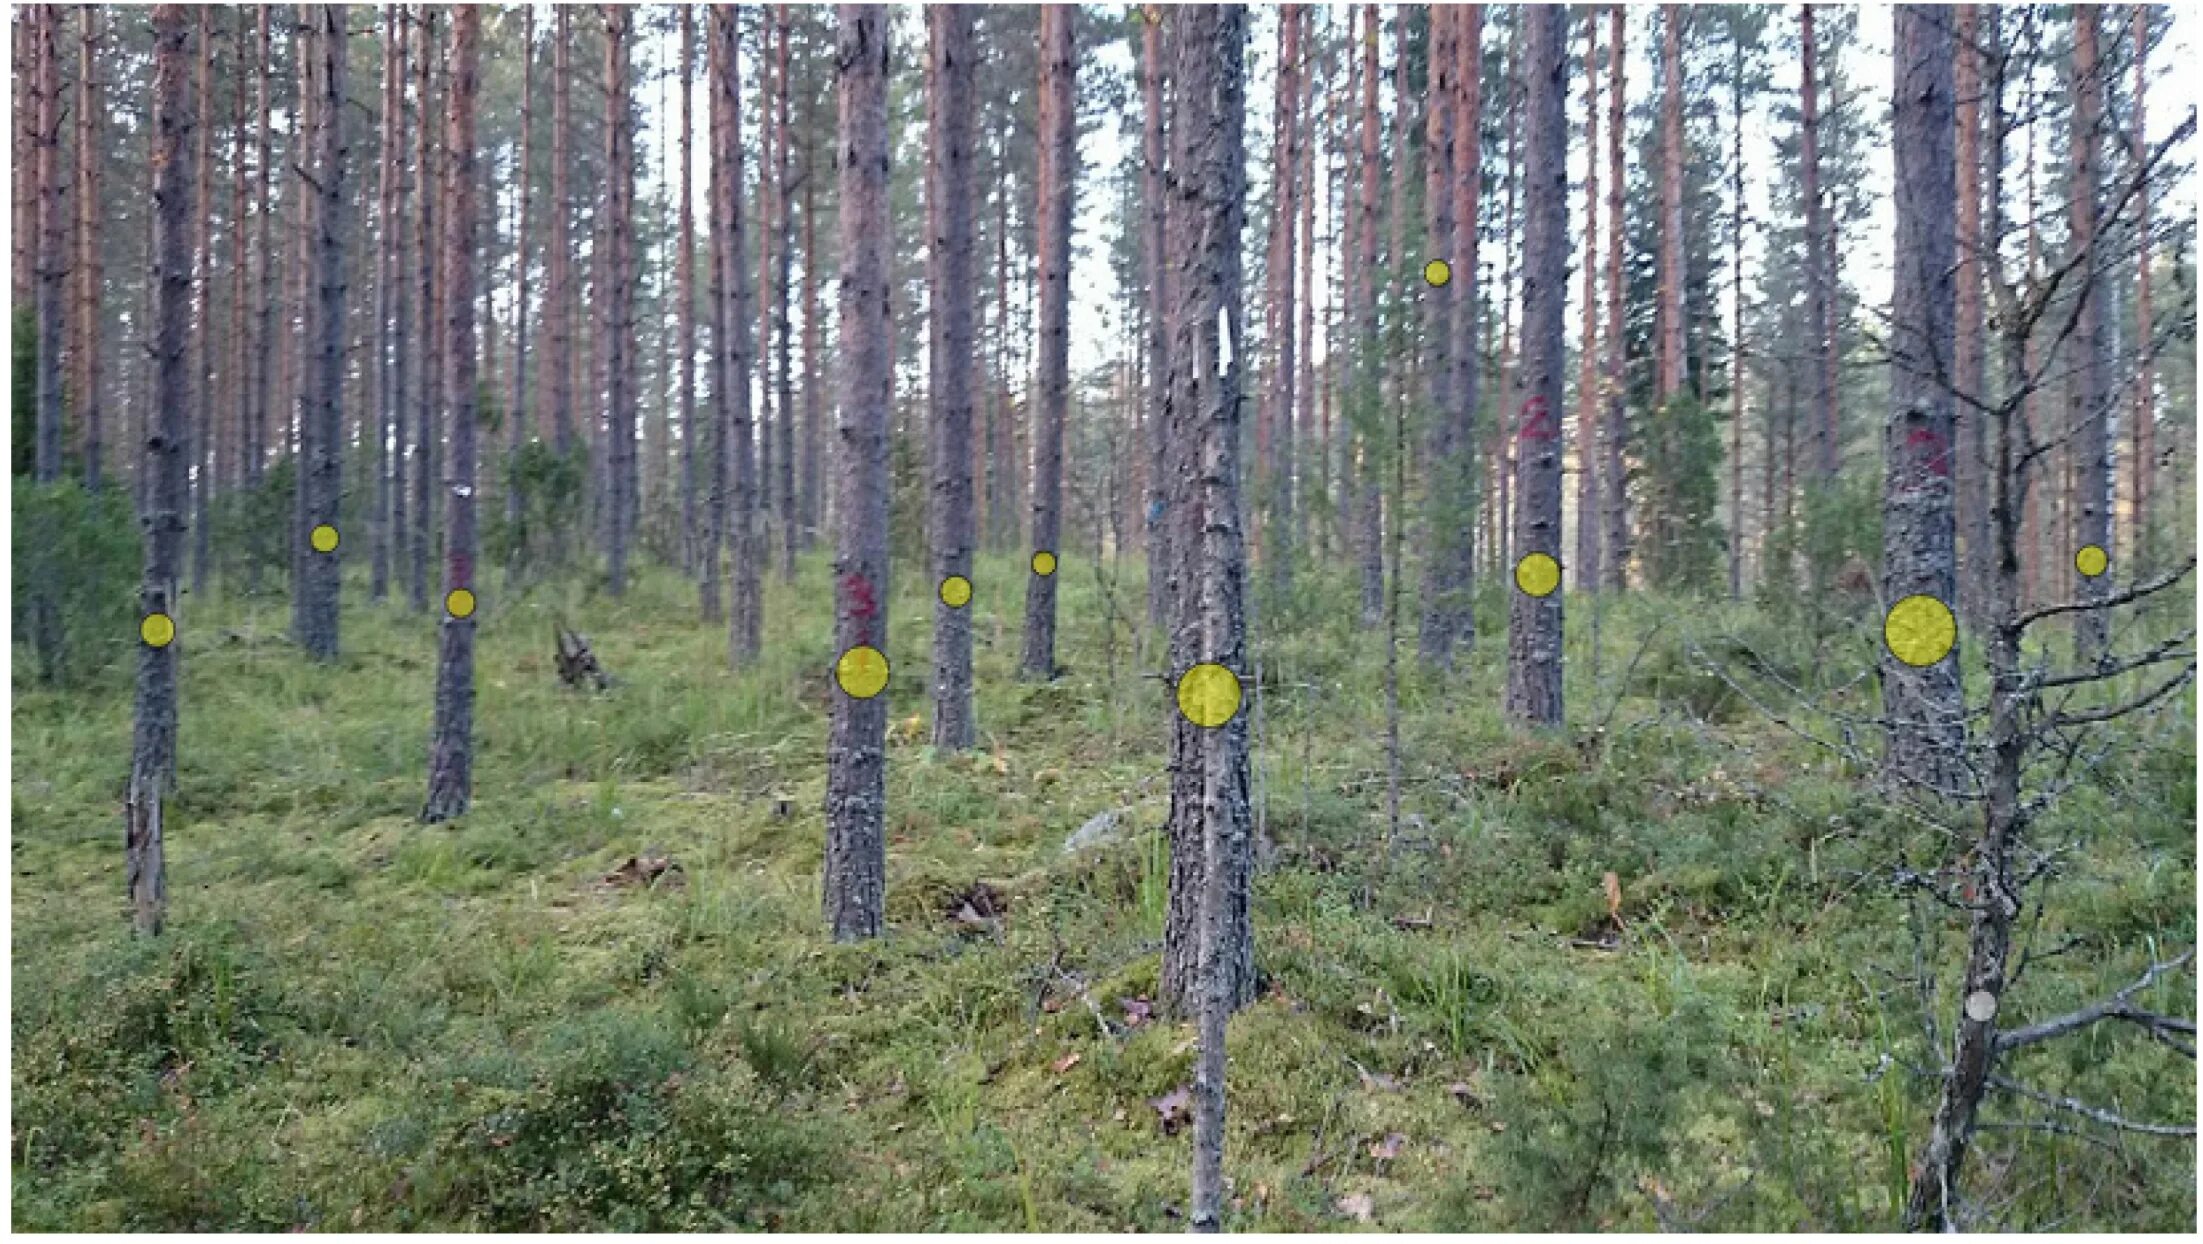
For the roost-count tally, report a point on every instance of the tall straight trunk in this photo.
(719, 92)
(1923, 704)
(202, 326)
(23, 35)
(1971, 437)
(1285, 220)
(768, 240)
(855, 892)
(745, 622)
(1368, 348)
(1152, 71)
(1210, 814)
(2143, 456)
(238, 393)
(1614, 429)
(781, 226)
(1820, 315)
(1584, 575)
(264, 353)
(2090, 416)
(88, 400)
(558, 310)
(1671, 361)
(1455, 116)
(684, 299)
(1309, 139)
(1058, 175)
(950, 364)
(52, 263)
(516, 497)
(425, 300)
(153, 717)
(318, 581)
(1503, 446)
(451, 745)
(1736, 335)
(614, 237)
(814, 373)
(388, 230)
(1534, 622)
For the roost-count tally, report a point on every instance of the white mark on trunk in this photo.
(1981, 1006)
(1223, 340)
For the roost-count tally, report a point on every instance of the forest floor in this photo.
(357, 1021)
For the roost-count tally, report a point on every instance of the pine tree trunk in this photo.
(1285, 219)
(1058, 176)
(1309, 138)
(320, 458)
(855, 895)
(388, 230)
(1534, 622)
(1453, 183)
(1819, 298)
(2090, 416)
(1614, 428)
(1368, 347)
(614, 236)
(52, 267)
(424, 307)
(950, 364)
(1736, 336)
(264, 336)
(684, 301)
(558, 310)
(451, 746)
(720, 94)
(1923, 704)
(781, 225)
(23, 35)
(1159, 524)
(202, 317)
(1671, 359)
(745, 619)
(1585, 575)
(516, 495)
(814, 372)
(2143, 467)
(89, 402)
(1968, 362)
(153, 718)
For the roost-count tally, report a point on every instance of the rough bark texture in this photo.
(1368, 516)
(813, 502)
(1969, 356)
(1670, 368)
(779, 227)
(451, 745)
(263, 346)
(2090, 415)
(1210, 815)
(202, 317)
(1584, 575)
(387, 231)
(1533, 622)
(615, 234)
(746, 615)
(1614, 429)
(1444, 584)
(424, 309)
(1059, 124)
(1736, 335)
(1820, 328)
(153, 719)
(1284, 221)
(86, 395)
(558, 309)
(1152, 75)
(717, 447)
(2143, 458)
(855, 896)
(684, 299)
(516, 497)
(318, 579)
(1924, 707)
(52, 265)
(951, 364)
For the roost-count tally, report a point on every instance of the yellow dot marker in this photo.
(1208, 695)
(2092, 560)
(158, 630)
(323, 538)
(862, 672)
(1044, 563)
(459, 603)
(1437, 272)
(1537, 574)
(1920, 630)
(956, 591)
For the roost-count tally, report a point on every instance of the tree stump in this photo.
(577, 664)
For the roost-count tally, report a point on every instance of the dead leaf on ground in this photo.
(1358, 1206)
(1174, 1108)
(1066, 1062)
(1387, 1149)
(652, 869)
(1137, 1011)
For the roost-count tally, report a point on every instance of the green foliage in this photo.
(549, 484)
(23, 390)
(1833, 556)
(1679, 485)
(80, 549)
(253, 526)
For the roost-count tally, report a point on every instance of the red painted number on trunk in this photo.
(1935, 452)
(859, 591)
(1537, 420)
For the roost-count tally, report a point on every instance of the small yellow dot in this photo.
(1537, 574)
(956, 591)
(158, 630)
(1437, 272)
(459, 602)
(1044, 563)
(324, 539)
(2092, 560)
(1208, 695)
(1920, 630)
(862, 671)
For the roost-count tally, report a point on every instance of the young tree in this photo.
(1059, 124)
(855, 895)
(951, 364)
(320, 426)
(615, 235)
(1614, 428)
(451, 746)
(1534, 620)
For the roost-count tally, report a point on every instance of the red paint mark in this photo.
(461, 568)
(1537, 420)
(858, 590)
(1936, 453)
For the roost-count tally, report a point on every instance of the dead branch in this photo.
(2093, 1113)
(2118, 1006)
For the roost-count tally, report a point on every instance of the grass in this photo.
(358, 1022)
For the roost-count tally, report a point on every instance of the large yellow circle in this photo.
(459, 602)
(323, 538)
(956, 591)
(1208, 695)
(1044, 563)
(1920, 630)
(862, 671)
(2092, 560)
(1437, 272)
(158, 630)
(1537, 574)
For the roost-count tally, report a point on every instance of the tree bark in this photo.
(424, 308)
(721, 90)
(263, 348)
(52, 263)
(1584, 575)
(814, 372)
(1923, 704)
(1368, 516)
(615, 235)
(1820, 325)
(320, 453)
(1454, 187)
(781, 226)
(89, 401)
(516, 495)
(202, 315)
(856, 760)
(1285, 218)
(951, 364)
(558, 310)
(1052, 378)
(1968, 358)
(2143, 468)
(1736, 337)
(1159, 523)
(387, 230)
(745, 618)
(1614, 429)
(2090, 418)
(451, 746)
(684, 300)
(1671, 362)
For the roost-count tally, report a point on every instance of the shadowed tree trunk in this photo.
(1923, 703)
(387, 230)
(318, 580)
(814, 371)
(1368, 516)
(1454, 186)
(263, 346)
(1584, 575)
(1052, 380)
(1968, 364)
(684, 300)
(950, 365)
(745, 617)
(1670, 361)
(1152, 74)
(1820, 327)
(1614, 429)
(202, 316)
(2144, 455)
(615, 236)
(2090, 414)
(89, 322)
(1534, 622)
(424, 308)
(451, 745)
(1736, 340)
(558, 309)
(50, 266)
(780, 225)
(1285, 219)
(855, 895)
(516, 496)
(153, 719)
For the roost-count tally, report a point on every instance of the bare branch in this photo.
(2170, 650)
(2146, 588)
(2118, 1006)
(2093, 1113)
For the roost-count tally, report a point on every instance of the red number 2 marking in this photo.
(1537, 420)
